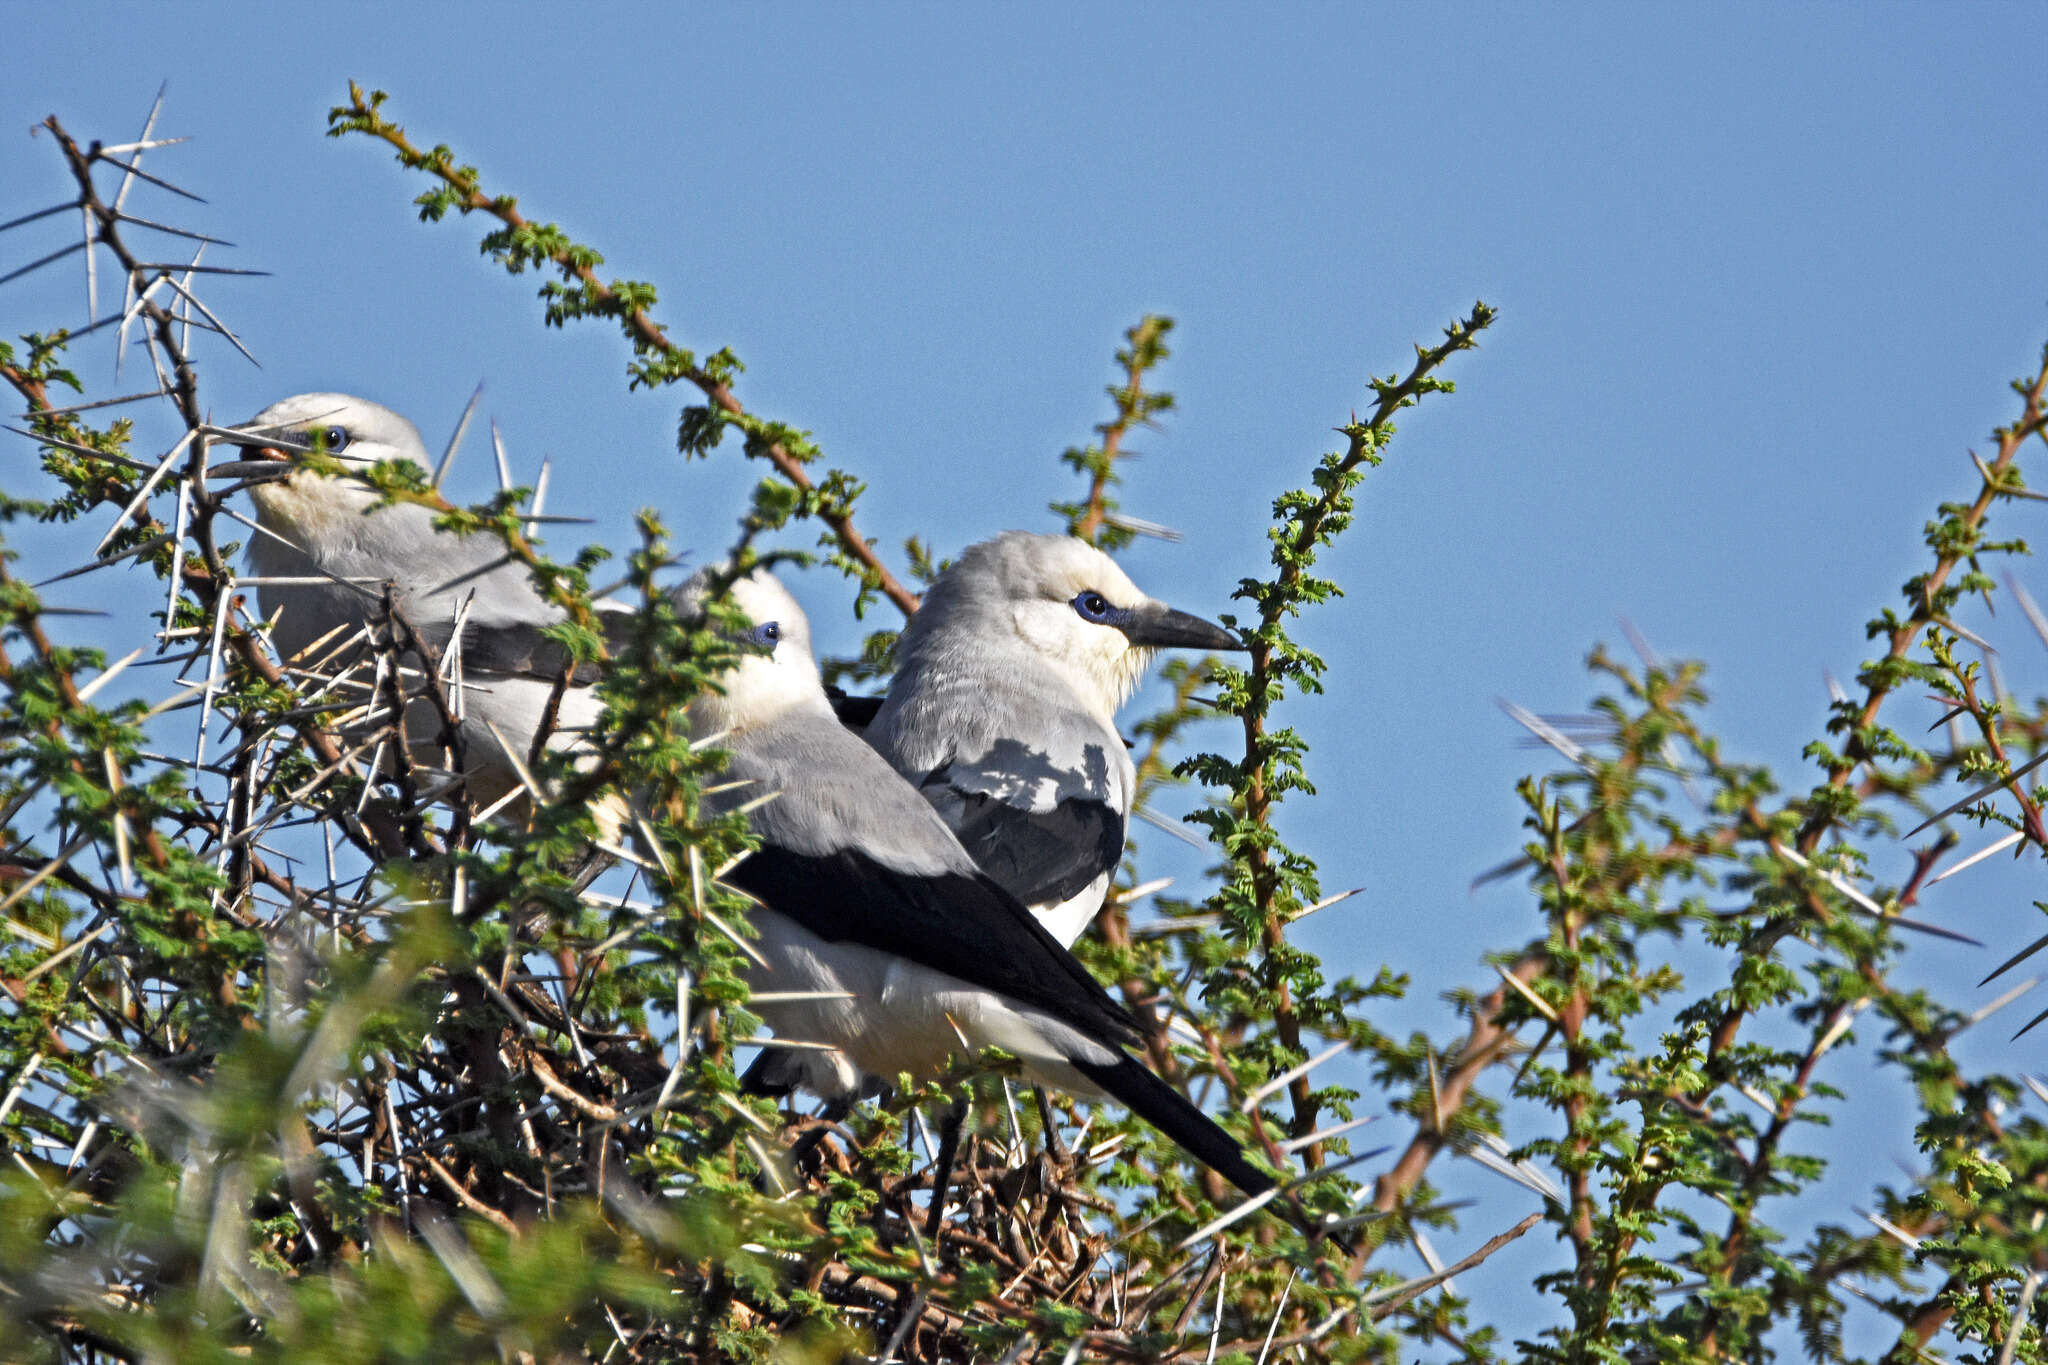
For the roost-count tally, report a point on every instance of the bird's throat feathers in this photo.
(756, 692)
(306, 507)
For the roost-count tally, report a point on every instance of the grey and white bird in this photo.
(325, 550)
(863, 890)
(1002, 712)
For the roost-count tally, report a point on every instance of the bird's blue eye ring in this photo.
(767, 635)
(333, 440)
(1091, 605)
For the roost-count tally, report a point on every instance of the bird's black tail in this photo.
(1173, 1114)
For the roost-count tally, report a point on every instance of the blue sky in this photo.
(1763, 271)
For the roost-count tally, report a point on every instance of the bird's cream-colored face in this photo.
(353, 431)
(1069, 602)
(775, 671)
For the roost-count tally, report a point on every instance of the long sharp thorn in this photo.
(208, 313)
(152, 543)
(157, 181)
(1542, 1006)
(1216, 1318)
(2028, 1027)
(1923, 927)
(1980, 855)
(139, 146)
(540, 497)
(2021, 956)
(1218, 1224)
(142, 494)
(1498, 871)
(59, 254)
(96, 403)
(185, 311)
(2020, 1310)
(123, 148)
(59, 443)
(191, 268)
(504, 467)
(1279, 1311)
(1978, 795)
(2009, 491)
(108, 321)
(1907, 1239)
(39, 213)
(1972, 636)
(132, 300)
(48, 870)
(1492, 1153)
(1322, 1134)
(1844, 1021)
(220, 622)
(1543, 730)
(1325, 903)
(174, 231)
(455, 438)
(2027, 607)
(175, 576)
(1288, 1076)
(1160, 822)
(156, 360)
(92, 269)
(2002, 1001)
(92, 689)
(1432, 1260)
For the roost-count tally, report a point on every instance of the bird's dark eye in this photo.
(767, 635)
(1093, 606)
(333, 440)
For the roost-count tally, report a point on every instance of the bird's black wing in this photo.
(855, 713)
(1175, 1115)
(520, 648)
(963, 925)
(1039, 856)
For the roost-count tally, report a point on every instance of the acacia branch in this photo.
(361, 115)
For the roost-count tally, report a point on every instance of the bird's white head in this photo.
(353, 431)
(775, 672)
(1066, 603)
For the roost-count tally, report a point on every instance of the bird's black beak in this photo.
(265, 459)
(1157, 627)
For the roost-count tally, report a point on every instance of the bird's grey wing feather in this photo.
(1039, 855)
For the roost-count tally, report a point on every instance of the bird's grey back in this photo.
(432, 571)
(835, 793)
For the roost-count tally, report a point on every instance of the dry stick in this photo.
(645, 330)
(1493, 1244)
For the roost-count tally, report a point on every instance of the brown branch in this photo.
(464, 1197)
(1484, 1044)
(1130, 406)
